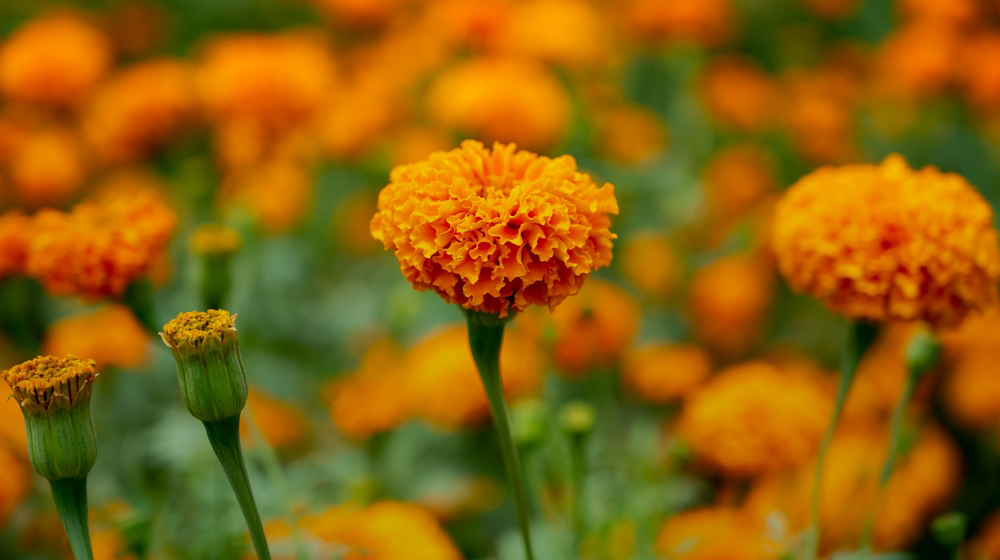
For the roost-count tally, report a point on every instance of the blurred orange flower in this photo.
(977, 72)
(729, 303)
(277, 192)
(918, 59)
(734, 424)
(109, 544)
(594, 329)
(15, 482)
(53, 59)
(712, 533)
(496, 230)
(971, 388)
(662, 373)
(375, 397)
(111, 336)
(15, 234)
(888, 243)
(476, 97)
(103, 244)
(140, 109)
(754, 107)
(281, 424)
(47, 165)
(361, 13)
(570, 32)
(354, 118)
(443, 383)
(705, 22)
(737, 177)
(954, 12)
(881, 375)
(629, 134)
(649, 262)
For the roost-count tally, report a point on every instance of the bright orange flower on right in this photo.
(885, 242)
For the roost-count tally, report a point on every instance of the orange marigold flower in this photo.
(919, 59)
(734, 424)
(705, 22)
(921, 486)
(139, 109)
(276, 192)
(414, 143)
(15, 482)
(986, 543)
(443, 383)
(712, 533)
(103, 244)
(881, 375)
(47, 165)
(885, 242)
(111, 336)
(110, 544)
(971, 387)
(955, 12)
(754, 108)
(53, 59)
(737, 178)
(977, 73)
(496, 230)
(629, 134)
(355, 118)
(476, 97)
(281, 424)
(729, 302)
(360, 13)
(15, 234)
(571, 32)
(276, 81)
(649, 262)
(661, 373)
(594, 329)
(370, 400)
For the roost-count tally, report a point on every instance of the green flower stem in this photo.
(138, 297)
(485, 339)
(215, 280)
(224, 436)
(70, 495)
(860, 339)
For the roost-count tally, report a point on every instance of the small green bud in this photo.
(209, 366)
(949, 529)
(577, 418)
(529, 420)
(922, 352)
(54, 394)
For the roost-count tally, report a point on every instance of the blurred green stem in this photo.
(485, 340)
(138, 297)
(70, 495)
(20, 312)
(859, 340)
(215, 280)
(224, 436)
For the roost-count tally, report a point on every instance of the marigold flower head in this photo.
(756, 106)
(276, 192)
(712, 533)
(735, 424)
(476, 98)
(277, 81)
(15, 233)
(496, 230)
(594, 329)
(919, 59)
(954, 12)
(922, 484)
(629, 134)
(53, 59)
(360, 13)
(570, 32)
(369, 400)
(971, 390)
(884, 242)
(980, 79)
(50, 383)
(354, 118)
(738, 177)
(47, 166)
(661, 373)
(140, 109)
(281, 424)
(15, 482)
(103, 244)
(111, 336)
(649, 262)
(704, 22)
(444, 385)
(729, 302)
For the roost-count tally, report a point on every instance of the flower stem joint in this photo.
(54, 394)
(209, 365)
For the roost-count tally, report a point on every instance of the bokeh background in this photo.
(366, 430)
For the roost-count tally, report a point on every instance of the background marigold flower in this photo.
(281, 423)
(648, 261)
(738, 177)
(977, 74)
(712, 533)
(276, 192)
(729, 302)
(971, 388)
(496, 230)
(15, 233)
(47, 165)
(888, 243)
(139, 109)
(103, 244)
(15, 481)
(594, 329)
(570, 32)
(629, 134)
(111, 336)
(705, 22)
(370, 400)
(53, 59)
(918, 59)
(734, 424)
(756, 105)
(444, 385)
(661, 373)
(475, 97)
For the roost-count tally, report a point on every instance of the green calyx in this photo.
(62, 443)
(209, 366)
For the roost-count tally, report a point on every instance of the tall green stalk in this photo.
(859, 340)
(70, 495)
(485, 340)
(224, 435)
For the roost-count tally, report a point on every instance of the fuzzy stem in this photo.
(224, 436)
(70, 495)
(860, 339)
(485, 340)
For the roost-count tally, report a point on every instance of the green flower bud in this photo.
(54, 394)
(215, 244)
(209, 365)
(577, 418)
(529, 423)
(922, 352)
